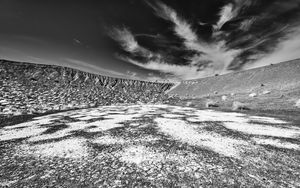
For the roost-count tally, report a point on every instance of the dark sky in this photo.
(147, 39)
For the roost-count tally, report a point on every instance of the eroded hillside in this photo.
(34, 88)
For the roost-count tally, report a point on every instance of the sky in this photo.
(151, 39)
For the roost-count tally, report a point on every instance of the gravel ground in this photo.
(150, 146)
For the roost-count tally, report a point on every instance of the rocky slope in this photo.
(282, 77)
(34, 88)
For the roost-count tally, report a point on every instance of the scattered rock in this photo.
(211, 103)
(297, 103)
(240, 106)
(189, 103)
(266, 92)
(224, 98)
(252, 95)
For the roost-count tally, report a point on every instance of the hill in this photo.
(282, 76)
(275, 87)
(36, 88)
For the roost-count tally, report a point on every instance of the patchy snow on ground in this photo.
(9, 133)
(7, 183)
(184, 132)
(69, 148)
(172, 115)
(183, 124)
(108, 140)
(138, 154)
(276, 143)
(113, 121)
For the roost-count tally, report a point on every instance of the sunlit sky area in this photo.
(151, 39)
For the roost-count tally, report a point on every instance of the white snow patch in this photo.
(276, 143)
(108, 140)
(182, 131)
(10, 134)
(107, 124)
(172, 116)
(266, 130)
(252, 95)
(209, 115)
(85, 118)
(297, 103)
(266, 120)
(139, 154)
(70, 148)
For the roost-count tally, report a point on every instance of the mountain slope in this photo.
(282, 76)
(27, 88)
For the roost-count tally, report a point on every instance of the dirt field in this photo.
(151, 146)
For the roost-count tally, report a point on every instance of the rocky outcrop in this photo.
(33, 88)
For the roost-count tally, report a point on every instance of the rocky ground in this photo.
(273, 87)
(150, 146)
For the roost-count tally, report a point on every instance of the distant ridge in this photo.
(282, 76)
(39, 88)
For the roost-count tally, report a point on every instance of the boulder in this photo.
(224, 98)
(252, 95)
(189, 103)
(211, 103)
(297, 103)
(240, 106)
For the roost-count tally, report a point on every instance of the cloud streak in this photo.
(246, 34)
(215, 53)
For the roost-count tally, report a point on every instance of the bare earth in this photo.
(150, 146)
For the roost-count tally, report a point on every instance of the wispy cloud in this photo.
(77, 41)
(128, 41)
(226, 14)
(125, 39)
(246, 33)
(232, 11)
(179, 71)
(285, 51)
(86, 66)
(181, 27)
(215, 53)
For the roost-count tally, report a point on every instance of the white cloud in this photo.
(216, 53)
(182, 72)
(77, 41)
(287, 50)
(128, 42)
(232, 10)
(125, 38)
(85, 66)
(226, 14)
(181, 27)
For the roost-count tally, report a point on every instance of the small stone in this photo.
(239, 106)
(266, 92)
(252, 95)
(224, 98)
(211, 103)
